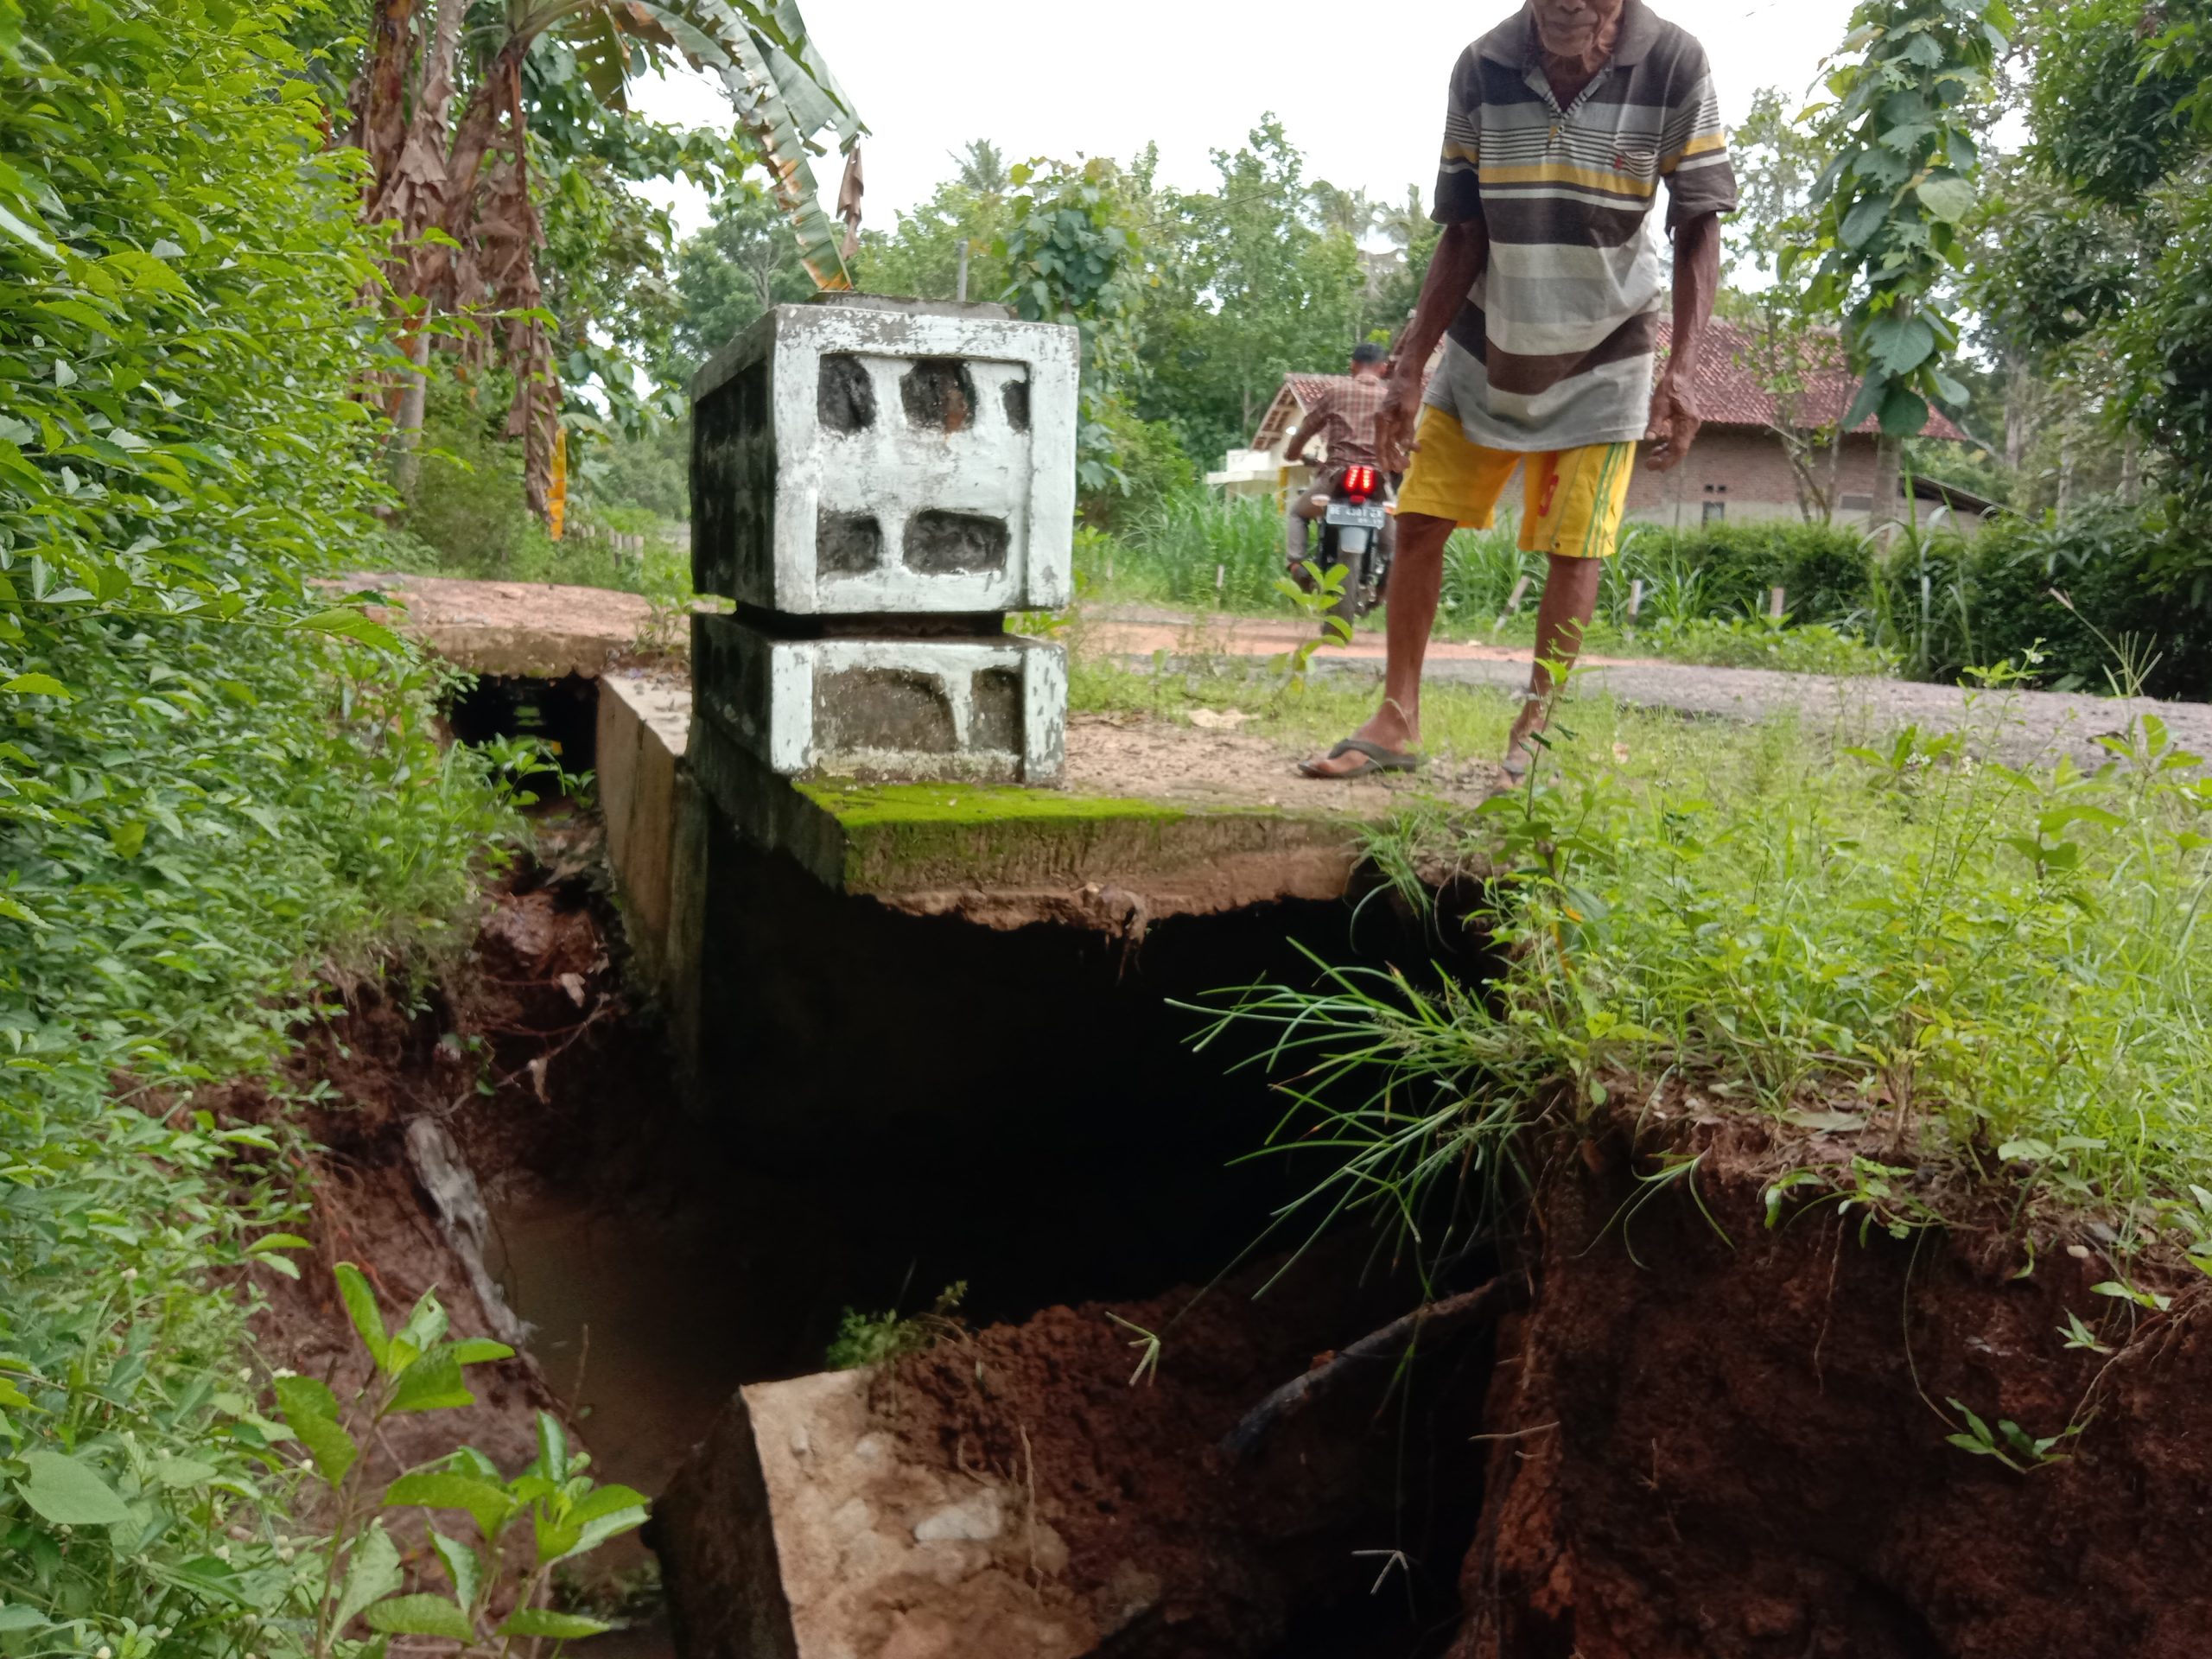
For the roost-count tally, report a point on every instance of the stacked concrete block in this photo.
(877, 483)
(991, 709)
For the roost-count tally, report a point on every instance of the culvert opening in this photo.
(563, 713)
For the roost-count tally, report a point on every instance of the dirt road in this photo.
(2031, 725)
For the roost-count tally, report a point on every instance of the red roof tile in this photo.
(1729, 394)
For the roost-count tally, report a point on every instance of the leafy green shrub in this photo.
(357, 1574)
(865, 1340)
(651, 473)
(2109, 561)
(1153, 467)
(469, 517)
(468, 506)
(1822, 569)
(205, 798)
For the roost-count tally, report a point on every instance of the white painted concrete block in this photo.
(985, 709)
(848, 460)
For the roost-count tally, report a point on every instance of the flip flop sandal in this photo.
(1379, 761)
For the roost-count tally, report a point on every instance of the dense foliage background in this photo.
(209, 799)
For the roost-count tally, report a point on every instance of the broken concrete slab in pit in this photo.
(1009, 1494)
(801, 1525)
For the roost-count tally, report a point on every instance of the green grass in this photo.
(1458, 723)
(1207, 553)
(1994, 974)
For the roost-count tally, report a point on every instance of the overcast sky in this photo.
(1359, 87)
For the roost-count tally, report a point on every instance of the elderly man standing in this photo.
(1545, 290)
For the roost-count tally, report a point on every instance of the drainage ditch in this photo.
(889, 1106)
(1711, 1439)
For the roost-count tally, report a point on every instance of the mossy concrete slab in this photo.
(1008, 857)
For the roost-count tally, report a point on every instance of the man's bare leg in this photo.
(1416, 585)
(1570, 601)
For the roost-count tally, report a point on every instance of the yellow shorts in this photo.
(1573, 499)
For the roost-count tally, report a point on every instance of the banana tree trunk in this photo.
(407, 425)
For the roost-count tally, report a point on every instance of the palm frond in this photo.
(784, 95)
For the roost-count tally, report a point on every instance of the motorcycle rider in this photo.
(1343, 421)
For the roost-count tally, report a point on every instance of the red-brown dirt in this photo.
(531, 1002)
(1737, 1450)
(1179, 1550)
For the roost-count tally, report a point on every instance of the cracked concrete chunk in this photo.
(860, 1549)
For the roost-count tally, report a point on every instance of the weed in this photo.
(1148, 1358)
(2011, 1445)
(1976, 957)
(865, 1339)
(360, 1574)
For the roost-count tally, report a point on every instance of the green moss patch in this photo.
(917, 837)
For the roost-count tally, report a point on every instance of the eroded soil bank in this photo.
(1735, 1448)
(1693, 1444)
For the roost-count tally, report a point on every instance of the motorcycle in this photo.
(1354, 527)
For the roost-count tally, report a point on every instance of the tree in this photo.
(1352, 213)
(2120, 268)
(1073, 256)
(1787, 343)
(1250, 288)
(920, 257)
(457, 190)
(983, 170)
(1891, 202)
(744, 261)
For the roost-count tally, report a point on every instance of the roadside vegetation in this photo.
(222, 798)
(240, 361)
(1986, 976)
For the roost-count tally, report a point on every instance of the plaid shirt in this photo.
(1344, 420)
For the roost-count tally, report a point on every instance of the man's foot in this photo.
(1520, 746)
(1387, 731)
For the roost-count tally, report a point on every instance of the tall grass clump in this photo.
(1195, 548)
(1997, 974)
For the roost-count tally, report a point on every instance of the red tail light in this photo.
(1359, 481)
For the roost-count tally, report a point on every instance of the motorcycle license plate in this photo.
(1356, 517)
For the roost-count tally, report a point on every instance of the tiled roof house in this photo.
(1740, 469)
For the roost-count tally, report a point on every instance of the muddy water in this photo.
(639, 1324)
(633, 1325)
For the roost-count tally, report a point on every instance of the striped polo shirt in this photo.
(1553, 347)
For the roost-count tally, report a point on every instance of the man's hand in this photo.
(1675, 424)
(1398, 419)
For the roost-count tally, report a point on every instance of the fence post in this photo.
(1774, 606)
(1635, 600)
